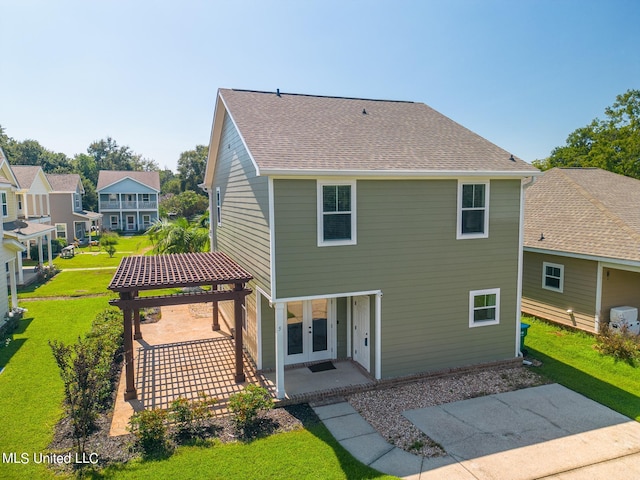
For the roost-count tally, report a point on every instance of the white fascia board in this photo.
(329, 295)
(395, 174)
(613, 262)
(127, 177)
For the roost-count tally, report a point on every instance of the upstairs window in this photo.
(484, 307)
(473, 210)
(5, 207)
(336, 213)
(218, 207)
(77, 201)
(553, 276)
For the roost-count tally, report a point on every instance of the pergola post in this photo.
(215, 325)
(137, 333)
(237, 317)
(130, 391)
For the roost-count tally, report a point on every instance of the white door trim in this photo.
(362, 331)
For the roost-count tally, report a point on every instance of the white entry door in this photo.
(361, 326)
(131, 222)
(309, 333)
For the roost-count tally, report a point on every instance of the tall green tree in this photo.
(108, 155)
(186, 204)
(191, 167)
(612, 144)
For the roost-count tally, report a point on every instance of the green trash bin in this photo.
(523, 333)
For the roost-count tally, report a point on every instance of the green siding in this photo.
(268, 319)
(244, 234)
(407, 248)
(578, 295)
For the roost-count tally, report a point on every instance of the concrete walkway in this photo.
(541, 432)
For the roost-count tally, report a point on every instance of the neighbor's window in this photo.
(61, 230)
(553, 276)
(473, 210)
(484, 307)
(218, 207)
(336, 213)
(5, 208)
(77, 201)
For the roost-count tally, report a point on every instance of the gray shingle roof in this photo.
(585, 211)
(63, 182)
(25, 174)
(109, 177)
(305, 132)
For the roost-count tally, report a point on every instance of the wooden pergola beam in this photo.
(178, 299)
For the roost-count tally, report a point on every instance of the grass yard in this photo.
(569, 359)
(88, 259)
(30, 385)
(304, 454)
(71, 284)
(133, 244)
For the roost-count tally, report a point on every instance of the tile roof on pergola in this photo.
(176, 270)
(138, 273)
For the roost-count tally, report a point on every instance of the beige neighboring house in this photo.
(581, 246)
(71, 221)
(27, 189)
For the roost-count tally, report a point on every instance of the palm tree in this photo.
(178, 236)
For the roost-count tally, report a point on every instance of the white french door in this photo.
(309, 333)
(361, 327)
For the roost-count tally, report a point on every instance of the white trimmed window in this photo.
(553, 276)
(77, 201)
(5, 207)
(113, 221)
(61, 230)
(336, 213)
(484, 307)
(218, 207)
(473, 210)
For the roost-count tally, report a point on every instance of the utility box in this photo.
(621, 317)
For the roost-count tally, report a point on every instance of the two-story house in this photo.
(26, 191)
(377, 231)
(128, 200)
(67, 215)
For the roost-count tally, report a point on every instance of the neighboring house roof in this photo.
(23, 230)
(25, 175)
(109, 177)
(307, 134)
(584, 211)
(65, 182)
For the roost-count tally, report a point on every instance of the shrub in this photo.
(246, 405)
(108, 328)
(190, 417)
(150, 430)
(622, 346)
(108, 242)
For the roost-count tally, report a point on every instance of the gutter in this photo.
(524, 186)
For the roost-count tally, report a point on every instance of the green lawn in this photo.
(30, 386)
(90, 260)
(304, 454)
(569, 358)
(71, 284)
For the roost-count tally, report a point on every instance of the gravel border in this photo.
(383, 408)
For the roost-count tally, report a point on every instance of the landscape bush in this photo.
(622, 346)
(190, 417)
(150, 430)
(108, 329)
(246, 405)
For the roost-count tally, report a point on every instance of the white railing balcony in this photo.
(109, 205)
(150, 204)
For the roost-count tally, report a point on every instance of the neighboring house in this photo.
(18, 228)
(582, 246)
(380, 231)
(32, 195)
(67, 214)
(128, 200)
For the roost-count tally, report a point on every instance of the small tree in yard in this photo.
(108, 241)
(77, 365)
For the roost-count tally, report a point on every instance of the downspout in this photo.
(520, 264)
(212, 245)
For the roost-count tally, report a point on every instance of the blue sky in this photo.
(521, 73)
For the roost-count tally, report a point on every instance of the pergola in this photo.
(138, 273)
